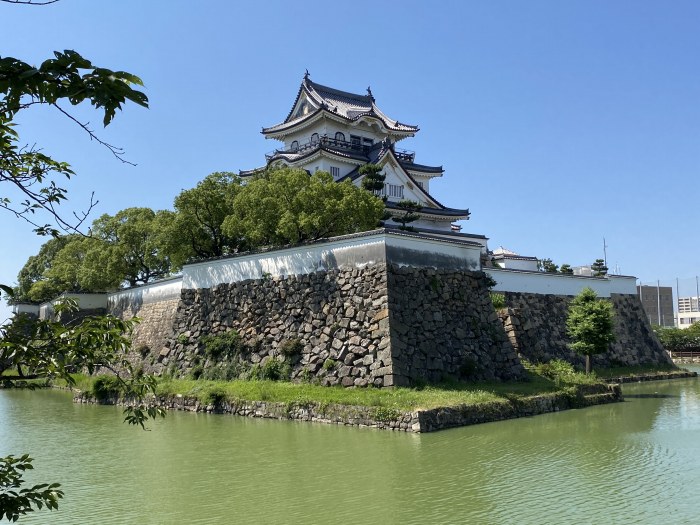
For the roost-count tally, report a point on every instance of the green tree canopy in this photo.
(408, 215)
(599, 269)
(547, 266)
(288, 205)
(134, 247)
(566, 269)
(590, 325)
(197, 228)
(35, 269)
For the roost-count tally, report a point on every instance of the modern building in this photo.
(658, 304)
(339, 132)
(688, 311)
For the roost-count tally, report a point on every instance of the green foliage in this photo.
(547, 266)
(272, 370)
(291, 347)
(106, 387)
(385, 414)
(557, 370)
(677, 339)
(590, 325)
(373, 178)
(468, 367)
(409, 209)
(329, 363)
(599, 269)
(566, 269)
(16, 501)
(287, 205)
(498, 300)
(214, 396)
(224, 345)
(489, 281)
(66, 78)
(197, 228)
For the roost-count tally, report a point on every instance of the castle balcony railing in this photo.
(401, 154)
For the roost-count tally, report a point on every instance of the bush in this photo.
(291, 347)
(272, 370)
(468, 367)
(557, 370)
(224, 345)
(329, 363)
(106, 387)
(215, 396)
(498, 300)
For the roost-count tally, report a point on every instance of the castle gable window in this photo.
(294, 146)
(314, 139)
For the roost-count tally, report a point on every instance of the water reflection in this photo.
(631, 462)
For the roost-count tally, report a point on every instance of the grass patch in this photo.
(385, 403)
(622, 371)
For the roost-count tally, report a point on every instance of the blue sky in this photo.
(557, 123)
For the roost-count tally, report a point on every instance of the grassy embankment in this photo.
(541, 379)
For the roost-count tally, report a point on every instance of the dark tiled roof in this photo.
(412, 166)
(441, 212)
(350, 106)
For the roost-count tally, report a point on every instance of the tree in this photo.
(373, 179)
(197, 228)
(409, 215)
(34, 271)
(288, 205)
(547, 266)
(46, 348)
(566, 269)
(599, 269)
(133, 247)
(66, 78)
(590, 325)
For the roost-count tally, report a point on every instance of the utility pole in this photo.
(658, 301)
(605, 252)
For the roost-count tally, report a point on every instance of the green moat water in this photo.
(631, 462)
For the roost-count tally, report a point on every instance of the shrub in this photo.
(385, 414)
(215, 396)
(498, 300)
(183, 339)
(291, 347)
(272, 370)
(329, 363)
(106, 387)
(468, 367)
(557, 370)
(226, 344)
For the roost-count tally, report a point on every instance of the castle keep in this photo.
(386, 307)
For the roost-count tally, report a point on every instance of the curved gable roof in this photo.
(350, 106)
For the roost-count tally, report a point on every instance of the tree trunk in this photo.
(588, 364)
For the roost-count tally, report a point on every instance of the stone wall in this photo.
(338, 320)
(536, 327)
(443, 325)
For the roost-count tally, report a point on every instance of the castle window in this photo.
(335, 171)
(340, 136)
(314, 139)
(295, 146)
(393, 190)
(355, 141)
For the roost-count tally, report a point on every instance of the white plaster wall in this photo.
(291, 261)
(25, 308)
(469, 254)
(150, 293)
(518, 264)
(557, 284)
(341, 252)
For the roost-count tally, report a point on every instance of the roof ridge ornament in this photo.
(306, 75)
(369, 93)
